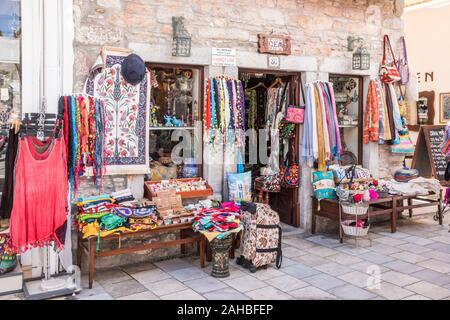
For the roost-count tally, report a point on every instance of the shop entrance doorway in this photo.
(264, 96)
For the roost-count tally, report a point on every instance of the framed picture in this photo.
(444, 107)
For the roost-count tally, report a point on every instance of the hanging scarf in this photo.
(371, 116)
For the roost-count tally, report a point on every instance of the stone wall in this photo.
(318, 29)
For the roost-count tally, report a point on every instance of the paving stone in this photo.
(435, 265)
(311, 293)
(172, 264)
(321, 251)
(326, 241)
(291, 252)
(124, 288)
(311, 260)
(103, 296)
(269, 273)
(409, 257)
(268, 293)
(287, 262)
(391, 291)
(396, 235)
(443, 239)
(165, 287)
(298, 243)
(226, 294)
(390, 241)
(383, 249)
(416, 297)
(150, 276)
(97, 289)
(146, 295)
(344, 259)
(442, 247)
(414, 248)
(356, 278)
(366, 266)
(324, 281)
(376, 258)
(352, 250)
(187, 274)
(333, 268)
(187, 294)
(204, 285)
(351, 292)
(398, 278)
(403, 267)
(438, 255)
(429, 290)
(138, 267)
(111, 276)
(300, 271)
(286, 283)
(432, 276)
(418, 240)
(246, 283)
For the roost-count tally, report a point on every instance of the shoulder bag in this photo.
(388, 72)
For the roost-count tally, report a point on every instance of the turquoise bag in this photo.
(323, 184)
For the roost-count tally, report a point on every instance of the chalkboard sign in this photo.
(428, 157)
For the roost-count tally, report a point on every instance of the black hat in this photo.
(133, 69)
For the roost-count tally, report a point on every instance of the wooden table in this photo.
(88, 245)
(392, 205)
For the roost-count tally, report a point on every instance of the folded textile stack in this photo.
(223, 220)
(122, 196)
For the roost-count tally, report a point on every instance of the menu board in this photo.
(428, 157)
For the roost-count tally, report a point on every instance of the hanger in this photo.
(260, 84)
(278, 81)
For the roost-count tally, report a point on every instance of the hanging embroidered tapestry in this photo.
(126, 112)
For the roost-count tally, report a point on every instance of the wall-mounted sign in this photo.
(274, 44)
(223, 57)
(273, 62)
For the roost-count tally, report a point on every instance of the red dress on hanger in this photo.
(40, 194)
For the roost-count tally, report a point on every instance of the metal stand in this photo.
(47, 287)
(341, 231)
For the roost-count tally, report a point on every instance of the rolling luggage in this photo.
(261, 241)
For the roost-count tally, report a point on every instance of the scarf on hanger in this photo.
(372, 115)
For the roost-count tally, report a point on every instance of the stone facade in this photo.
(318, 29)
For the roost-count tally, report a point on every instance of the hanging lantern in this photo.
(181, 44)
(361, 59)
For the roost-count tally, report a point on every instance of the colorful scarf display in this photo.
(223, 219)
(224, 114)
(84, 120)
(321, 139)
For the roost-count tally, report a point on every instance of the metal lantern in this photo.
(181, 44)
(361, 59)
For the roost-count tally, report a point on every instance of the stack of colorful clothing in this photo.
(122, 196)
(218, 222)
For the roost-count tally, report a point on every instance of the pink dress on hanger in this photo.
(40, 206)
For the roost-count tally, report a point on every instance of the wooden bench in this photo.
(89, 245)
(392, 205)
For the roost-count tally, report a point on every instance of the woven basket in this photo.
(355, 208)
(353, 230)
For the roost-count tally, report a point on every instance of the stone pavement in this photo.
(413, 263)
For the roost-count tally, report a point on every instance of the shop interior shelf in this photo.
(184, 194)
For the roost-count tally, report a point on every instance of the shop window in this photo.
(10, 84)
(175, 122)
(348, 96)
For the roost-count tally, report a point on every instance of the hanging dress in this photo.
(40, 203)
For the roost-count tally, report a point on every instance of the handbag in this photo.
(270, 183)
(323, 185)
(289, 173)
(296, 114)
(388, 73)
(403, 67)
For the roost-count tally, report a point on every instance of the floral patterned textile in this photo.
(126, 108)
(261, 242)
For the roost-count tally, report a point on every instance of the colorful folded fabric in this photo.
(126, 212)
(221, 220)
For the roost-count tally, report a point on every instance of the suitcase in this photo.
(261, 241)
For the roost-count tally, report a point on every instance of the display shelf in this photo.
(184, 194)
